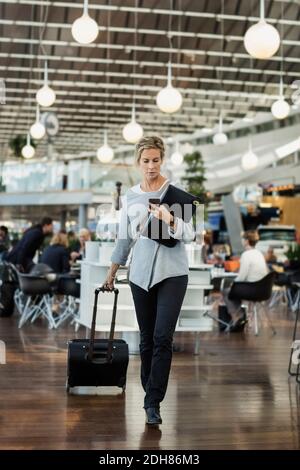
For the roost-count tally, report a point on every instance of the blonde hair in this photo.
(152, 142)
(84, 232)
(60, 238)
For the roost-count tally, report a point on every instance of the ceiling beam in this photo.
(131, 76)
(138, 48)
(157, 11)
(145, 88)
(141, 31)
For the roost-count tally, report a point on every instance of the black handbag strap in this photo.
(112, 326)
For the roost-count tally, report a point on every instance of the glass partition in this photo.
(104, 177)
(72, 175)
(31, 177)
(78, 172)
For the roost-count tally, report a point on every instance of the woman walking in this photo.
(158, 274)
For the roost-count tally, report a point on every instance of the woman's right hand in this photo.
(109, 283)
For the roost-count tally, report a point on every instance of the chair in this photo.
(70, 289)
(295, 348)
(41, 269)
(293, 294)
(279, 293)
(223, 319)
(255, 292)
(39, 299)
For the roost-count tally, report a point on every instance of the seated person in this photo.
(292, 265)
(207, 250)
(4, 240)
(253, 267)
(270, 257)
(74, 243)
(56, 255)
(84, 236)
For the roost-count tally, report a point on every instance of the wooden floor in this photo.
(235, 394)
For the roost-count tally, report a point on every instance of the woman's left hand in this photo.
(161, 213)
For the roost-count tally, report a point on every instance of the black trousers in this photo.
(157, 311)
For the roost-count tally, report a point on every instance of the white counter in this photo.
(192, 313)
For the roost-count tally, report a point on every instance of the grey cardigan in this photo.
(151, 262)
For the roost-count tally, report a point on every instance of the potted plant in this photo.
(17, 143)
(195, 184)
(195, 174)
(293, 255)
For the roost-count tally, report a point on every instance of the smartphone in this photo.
(154, 200)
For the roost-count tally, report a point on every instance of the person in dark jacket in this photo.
(4, 241)
(56, 255)
(24, 251)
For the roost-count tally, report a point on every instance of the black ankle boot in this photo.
(239, 325)
(153, 415)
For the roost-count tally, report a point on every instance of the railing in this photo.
(57, 176)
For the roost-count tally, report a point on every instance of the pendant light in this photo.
(85, 29)
(28, 150)
(250, 159)
(262, 40)
(169, 99)
(280, 108)
(37, 130)
(220, 138)
(177, 157)
(105, 153)
(45, 95)
(133, 131)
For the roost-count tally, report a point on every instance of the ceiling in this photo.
(95, 84)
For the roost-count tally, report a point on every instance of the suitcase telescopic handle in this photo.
(112, 326)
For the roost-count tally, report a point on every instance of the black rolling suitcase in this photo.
(98, 362)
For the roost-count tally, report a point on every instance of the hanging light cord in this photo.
(30, 69)
(262, 9)
(222, 43)
(107, 64)
(135, 51)
(251, 67)
(170, 41)
(169, 32)
(179, 35)
(282, 45)
(43, 19)
(220, 72)
(43, 28)
(12, 133)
